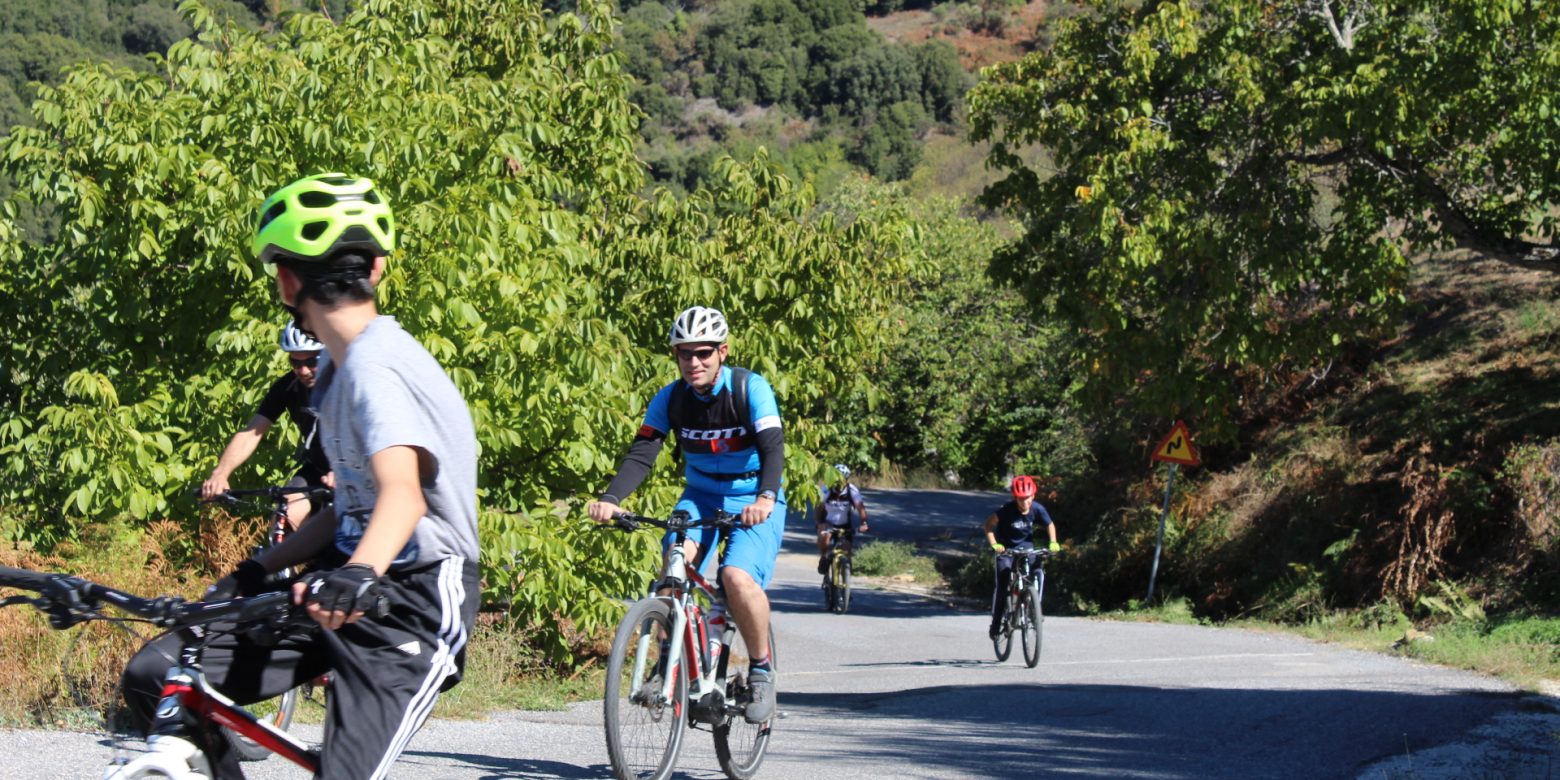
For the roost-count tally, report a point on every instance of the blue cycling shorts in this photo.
(752, 549)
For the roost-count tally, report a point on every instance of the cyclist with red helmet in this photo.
(1011, 528)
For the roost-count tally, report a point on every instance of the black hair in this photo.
(343, 277)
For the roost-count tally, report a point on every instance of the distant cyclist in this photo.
(289, 393)
(1011, 529)
(727, 425)
(838, 501)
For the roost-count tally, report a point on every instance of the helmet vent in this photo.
(276, 210)
(384, 225)
(313, 230)
(317, 200)
(372, 196)
(339, 181)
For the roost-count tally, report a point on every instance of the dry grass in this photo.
(69, 678)
(976, 49)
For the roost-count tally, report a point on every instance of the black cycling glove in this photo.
(352, 588)
(246, 580)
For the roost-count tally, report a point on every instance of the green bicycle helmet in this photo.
(317, 216)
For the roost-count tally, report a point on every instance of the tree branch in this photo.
(1352, 20)
(1464, 228)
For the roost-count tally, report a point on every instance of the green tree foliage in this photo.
(152, 28)
(529, 266)
(968, 384)
(943, 80)
(1235, 186)
(887, 145)
(39, 39)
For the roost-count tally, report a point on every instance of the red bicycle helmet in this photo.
(1023, 486)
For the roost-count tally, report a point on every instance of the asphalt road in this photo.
(907, 687)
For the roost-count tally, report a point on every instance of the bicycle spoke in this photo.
(740, 746)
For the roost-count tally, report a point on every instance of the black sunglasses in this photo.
(689, 354)
(301, 362)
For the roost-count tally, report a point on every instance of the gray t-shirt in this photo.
(391, 392)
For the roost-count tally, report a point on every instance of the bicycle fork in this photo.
(168, 751)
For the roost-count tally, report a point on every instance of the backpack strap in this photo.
(739, 399)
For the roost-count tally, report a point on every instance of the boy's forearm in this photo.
(303, 545)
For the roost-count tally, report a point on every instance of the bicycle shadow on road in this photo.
(511, 769)
(864, 603)
(1024, 730)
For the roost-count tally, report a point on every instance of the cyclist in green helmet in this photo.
(403, 450)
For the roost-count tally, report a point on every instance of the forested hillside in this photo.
(39, 39)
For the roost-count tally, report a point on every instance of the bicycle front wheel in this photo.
(843, 599)
(739, 745)
(1002, 643)
(1032, 624)
(644, 723)
(830, 592)
(278, 712)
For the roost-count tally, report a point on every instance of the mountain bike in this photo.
(1023, 606)
(668, 671)
(280, 710)
(836, 573)
(171, 755)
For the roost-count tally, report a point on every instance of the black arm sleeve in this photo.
(635, 466)
(771, 458)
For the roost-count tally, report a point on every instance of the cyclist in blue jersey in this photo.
(727, 425)
(1011, 529)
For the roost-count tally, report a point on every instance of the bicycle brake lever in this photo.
(625, 523)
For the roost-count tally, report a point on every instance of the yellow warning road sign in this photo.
(1177, 447)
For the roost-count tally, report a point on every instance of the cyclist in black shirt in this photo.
(1011, 528)
(289, 393)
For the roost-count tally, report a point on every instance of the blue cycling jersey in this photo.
(719, 442)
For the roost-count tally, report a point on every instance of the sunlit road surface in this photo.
(907, 687)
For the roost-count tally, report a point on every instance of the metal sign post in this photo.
(1175, 449)
(1159, 542)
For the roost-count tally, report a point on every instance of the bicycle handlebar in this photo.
(231, 497)
(677, 521)
(1038, 552)
(69, 600)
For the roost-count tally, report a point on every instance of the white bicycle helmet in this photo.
(844, 471)
(699, 325)
(295, 340)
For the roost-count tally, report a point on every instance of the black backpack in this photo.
(678, 406)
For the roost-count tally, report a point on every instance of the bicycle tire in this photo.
(140, 774)
(643, 737)
(249, 750)
(844, 586)
(740, 746)
(829, 590)
(1032, 625)
(1002, 643)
